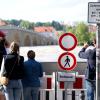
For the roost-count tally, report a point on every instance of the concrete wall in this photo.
(50, 67)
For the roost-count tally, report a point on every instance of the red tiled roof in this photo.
(44, 29)
(2, 23)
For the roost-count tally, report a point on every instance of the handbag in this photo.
(4, 80)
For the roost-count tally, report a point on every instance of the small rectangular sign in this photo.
(66, 77)
(94, 12)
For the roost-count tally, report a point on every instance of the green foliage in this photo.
(71, 29)
(81, 32)
(47, 24)
(14, 22)
(39, 24)
(57, 25)
(24, 24)
(60, 33)
(30, 25)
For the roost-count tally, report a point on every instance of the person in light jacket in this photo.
(89, 53)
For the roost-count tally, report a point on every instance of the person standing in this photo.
(90, 54)
(31, 83)
(3, 44)
(13, 70)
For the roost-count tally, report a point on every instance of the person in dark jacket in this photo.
(31, 82)
(13, 70)
(90, 54)
(3, 44)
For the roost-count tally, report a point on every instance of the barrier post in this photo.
(55, 85)
(82, 95)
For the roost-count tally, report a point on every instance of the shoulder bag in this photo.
(4, 80)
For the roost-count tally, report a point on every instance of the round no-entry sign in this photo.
(67, 61)
(68, 41)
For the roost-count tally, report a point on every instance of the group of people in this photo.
(23, 75)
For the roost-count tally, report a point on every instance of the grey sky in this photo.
(45, 10)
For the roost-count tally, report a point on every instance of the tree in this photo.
(80, 30)
(31, 26)
(14, 22)
(25, 24)
(57, 25)
(38, 24)
(71, 29)
(47, 24)
(82, 33)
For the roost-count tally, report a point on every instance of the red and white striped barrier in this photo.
(78, 84)
(71, 94)
(48, 82)
(75, 90)
(47, 94)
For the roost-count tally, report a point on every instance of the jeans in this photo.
(31, 93)
(13, 91)
(91, 89)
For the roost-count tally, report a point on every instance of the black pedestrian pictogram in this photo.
(67, 60)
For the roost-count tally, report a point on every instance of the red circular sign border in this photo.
(61, 66)
(60, 42)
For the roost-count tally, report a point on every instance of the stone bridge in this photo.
(28, 37)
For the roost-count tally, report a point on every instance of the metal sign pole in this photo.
(65, 90)
(98, 63)
(55, 85)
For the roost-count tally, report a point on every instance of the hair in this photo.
(94, 40)
(31, 54)
(14, 46)
(2, 34)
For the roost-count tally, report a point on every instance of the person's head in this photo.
(91, 43)
(94, 42)
(3, 39)
(2, 35)
(31, 54)
(14, 47)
